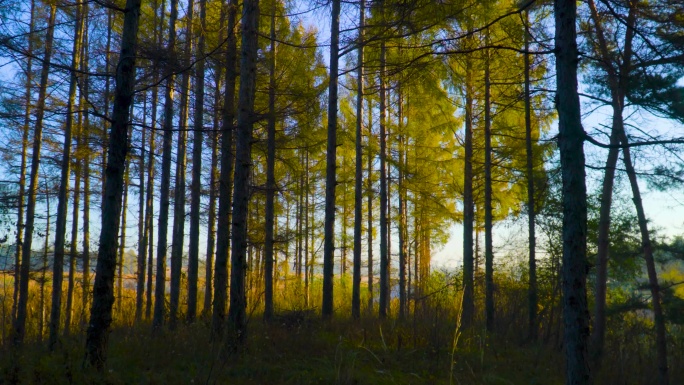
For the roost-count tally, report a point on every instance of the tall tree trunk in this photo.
(214, 176)
(401, 192)
(178, 238)
(142, 236)
(358, 183)
(647, 246)
(195, 188)
(468, 302)
(370, 212)
(237, 312)
(618, 76)
(532, 324)
(384, 257)
(106, 97)
(165, 182)
(103, 295)
(63, 195)
(489, 252)
(20, 321)
(331, 165)
(149, 201)
(86, 172)
(306, 229)
(121, 261)
(73, 251)
(570, 143)
(225, 180)
(270, 177)
(22, 171)
(43, 278)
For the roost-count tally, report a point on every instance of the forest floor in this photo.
(294, 350)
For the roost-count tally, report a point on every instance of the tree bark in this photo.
(570, 143)
(225, 181)
(489, 252)
(270, 177)
(103, 295)
(63, 195)
(22, 171)
(647, 246)
(142, 236)
(195, 188)
(532, 324)
(237, 312)
(468, 302)
(617, 82)
(165, 182)
(20, 321)
(384, 257)
(358, 183)
(331, 165)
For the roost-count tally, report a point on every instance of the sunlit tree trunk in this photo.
(20, 321)
(63, 195)
(384, 253)
(489, 252)
(270, 176)
(358, 183)
(532, 324)
(22, 171)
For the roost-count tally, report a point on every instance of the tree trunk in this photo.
(468, 302)
(617, 82)
(165, 182)
(237, 312)
(22, 171)
(121, 261)
(331, 165)
(214, 176)
(384, 258)
(403, 230)
(43, 278)
(103, 295)
(647, 246)
(142, 236)
(20, 321)
(63, 195)
(195, 188)
(73, 252)
(370, 212)
(225, 180)
(532, 325)
(270, 177)
(570, 144)
(358, 183)
(489, 252)
(86, 174)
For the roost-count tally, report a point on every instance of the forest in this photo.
(342, 192)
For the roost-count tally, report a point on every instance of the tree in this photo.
(570, 144)
(237, 312)
(20, 320)
(160, 284)
(331, 165)
(103, 294)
